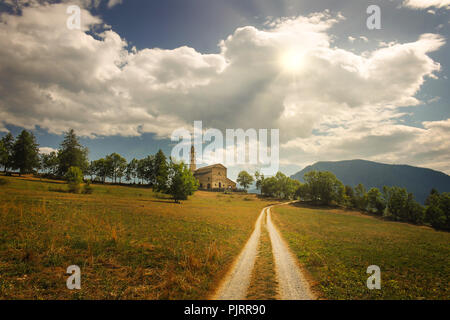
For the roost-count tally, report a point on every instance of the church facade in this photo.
(211, 177)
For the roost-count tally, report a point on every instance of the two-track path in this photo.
(291, 281)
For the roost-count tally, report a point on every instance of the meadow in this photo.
(129, 242)
(335, 247)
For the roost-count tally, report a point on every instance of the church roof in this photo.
(207, 168)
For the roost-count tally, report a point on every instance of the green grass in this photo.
(129, 242)
(337, 246)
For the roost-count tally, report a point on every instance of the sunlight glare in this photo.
(292, 60)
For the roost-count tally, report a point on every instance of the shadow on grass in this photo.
(161, 200)
(60, 190)
(312, 205)
(45, 180)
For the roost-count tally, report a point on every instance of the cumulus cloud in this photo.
(46, 150)
(287, 75)
(112, 3)
(424, 4)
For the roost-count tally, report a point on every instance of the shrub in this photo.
(74, 178)
(87, 189)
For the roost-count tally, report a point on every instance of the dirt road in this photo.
(292, 283)
(235, 285)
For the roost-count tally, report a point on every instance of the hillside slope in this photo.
(417, 180)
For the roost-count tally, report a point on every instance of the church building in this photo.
(211, 177)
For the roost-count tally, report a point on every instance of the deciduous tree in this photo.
(181, 181)
(245, 179)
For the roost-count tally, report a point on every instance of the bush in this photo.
(74, 188)
(74, 178)
(87, 189)
(3, 182)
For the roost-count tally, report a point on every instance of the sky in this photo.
(138, 70)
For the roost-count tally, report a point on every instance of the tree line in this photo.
(70, 162)
(164, 175)
(323, 188)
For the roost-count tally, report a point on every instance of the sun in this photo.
(292, 60)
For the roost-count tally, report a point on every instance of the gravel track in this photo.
(292, 283)
(235, 285)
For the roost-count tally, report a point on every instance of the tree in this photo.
(91, 170)
(293, 186)
(161, 171)
(401, 205)
(6, 158)
(360, 197)
(72, 153)
(349, 197)
(438, 210)
(74, 177)
(140, 171)
(101, 168)
(131, 170)
(259, 178)
(182, 182)
(148, 170)
(375, 201)
(323, 187)
(269, 187)
(3, 154)
(245, 179)
(302, 192)
(49, 162)
(116, 166)
(280, 186)
(415, 212)
(396, 200)
(25, 153)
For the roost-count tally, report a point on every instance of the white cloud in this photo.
(112, 3)
(424, 4)
(327, 102)
(46, 150)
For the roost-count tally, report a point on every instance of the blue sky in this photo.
(415, 91)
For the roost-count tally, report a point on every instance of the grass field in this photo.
(337, 246)
(129, 242)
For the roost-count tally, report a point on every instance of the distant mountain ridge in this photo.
(416, 180)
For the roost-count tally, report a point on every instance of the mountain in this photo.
(418, 181)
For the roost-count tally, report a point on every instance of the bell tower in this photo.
(192, 166)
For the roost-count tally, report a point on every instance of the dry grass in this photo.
(337, 246)
(129, 242)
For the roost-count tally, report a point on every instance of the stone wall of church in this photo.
(215, 178)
